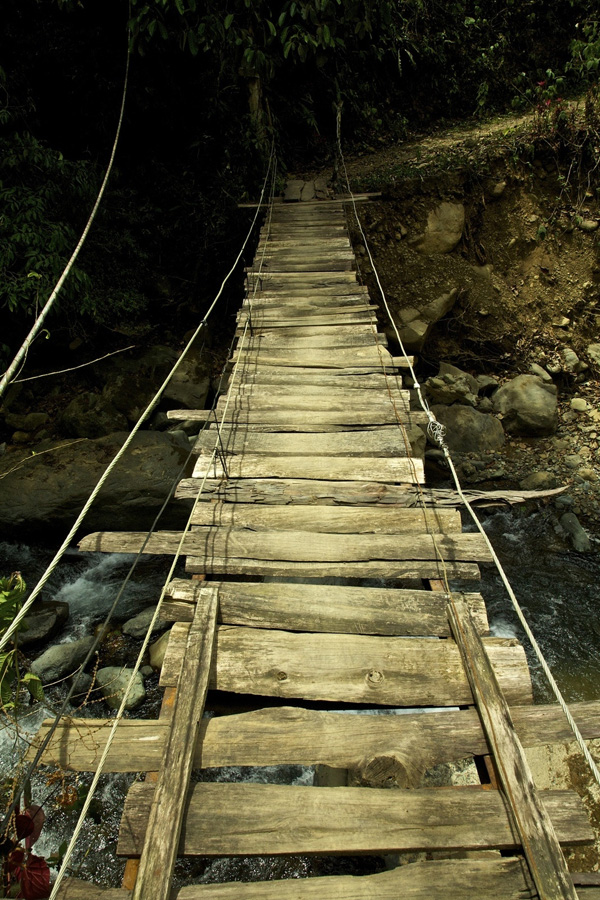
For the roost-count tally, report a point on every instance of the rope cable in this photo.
(437, 432)
(178, 552)
(144, 415)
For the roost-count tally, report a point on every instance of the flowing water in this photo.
(558, 590)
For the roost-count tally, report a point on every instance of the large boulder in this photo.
(49, 489)
(444, 229)
(91, 415)
(61, 660)
(469, 431)
(528, 406)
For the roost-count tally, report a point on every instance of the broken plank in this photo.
(382, 671)
(296, 736)
(540, 841)
(339, 520)
(268, 819)
(334, 468)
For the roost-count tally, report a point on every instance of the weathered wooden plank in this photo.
(273, 819)
(330, 339)
(330, 493)
(301, 373)
(281, 240)
(335, 468)
(169, 800)
(538, 837)
(328, 400)
(312, 265)
(448, 879)
(339, 520)
(301, 330)
(271, 375)
(384, 441)
(385, 671)
(326, 608)
(311, 304)
(341, 318)
(288, 419)
(397, 569)
(305, 280)
(295, 546)
(297, 736)
(357, 357)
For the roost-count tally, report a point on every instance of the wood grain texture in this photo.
(169, 801)
(396, 469)
(313, 399)
(411, 570)
(295, 546)
(297, 736)
(384, 441)
(331, 340)
(266, 819)
(325, 608)
(540, 842)
(385, 671)
(282, 418)
(334, 519)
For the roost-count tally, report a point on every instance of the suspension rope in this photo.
(144, 415)
(21, 356)
(178, 553)
(437, 432)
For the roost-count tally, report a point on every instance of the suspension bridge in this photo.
(321, 582)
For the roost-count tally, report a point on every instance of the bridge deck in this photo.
(317, 487)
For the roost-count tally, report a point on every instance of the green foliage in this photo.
(585, 50)
(38, 191)
(12, 590)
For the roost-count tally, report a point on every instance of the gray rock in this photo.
(448, 389)
(579, 539)
(579, 404)
(415, 324)
(485, 405)
(587, 225)
(83, 683)
(91, 416)
(497, 190)
(448, 369)
(528, 405)
(158, 650)
(138, 626)
(46, 620)
(572, 363)
(61, 660)
(113, 681)
(540, 372)
(538, 481)
(593, 351)
(469, 431)
(30, 422)
(51, 489)
(444, 229)
(486, 384)
(146, 671)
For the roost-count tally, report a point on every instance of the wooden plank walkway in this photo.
(325, 598)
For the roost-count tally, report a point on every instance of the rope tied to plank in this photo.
(437, 431)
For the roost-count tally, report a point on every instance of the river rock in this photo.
(538, 481)
(138, 626)
(90, 416)
(593, 352)
(415, 324)
(536, 369)
(571, 361)
(61, 660)
(444, 229)
(448, 389)
(49, 489)
(158, 650)
(469, 431)
(579, 539)
(46, 620)
(113, 681)
(579, 404)
(528, 405)
(30, 422)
